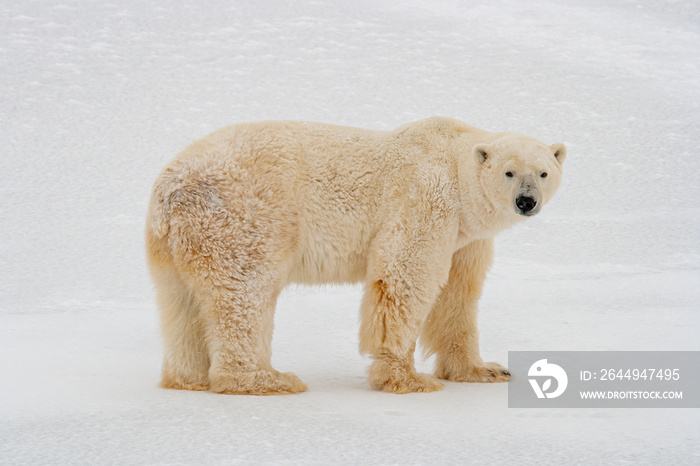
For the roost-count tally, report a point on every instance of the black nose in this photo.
(525, 203)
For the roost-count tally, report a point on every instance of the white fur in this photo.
(411, 213)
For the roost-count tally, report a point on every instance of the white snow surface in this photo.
(98, 96)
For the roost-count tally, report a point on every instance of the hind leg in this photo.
(239, 326)
(186, 359)
(233, 248)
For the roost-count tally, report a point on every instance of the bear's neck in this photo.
(479, 218)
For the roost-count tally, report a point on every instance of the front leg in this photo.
(390, 323)
(405, 273)
(450, 330)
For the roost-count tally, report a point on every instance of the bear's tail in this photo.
(187, 194)
(160, 208)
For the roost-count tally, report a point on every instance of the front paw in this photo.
(393, 378)
(408, 383)
(486, 372)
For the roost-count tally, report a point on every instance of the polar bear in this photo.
(411, 213)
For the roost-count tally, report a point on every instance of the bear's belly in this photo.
(322, 263)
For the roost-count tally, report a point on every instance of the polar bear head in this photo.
(519, 174)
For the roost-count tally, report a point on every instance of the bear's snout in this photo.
(526, 205)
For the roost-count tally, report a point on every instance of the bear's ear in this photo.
(481, 152)
(559, 150)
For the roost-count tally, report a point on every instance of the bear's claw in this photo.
(488, 372)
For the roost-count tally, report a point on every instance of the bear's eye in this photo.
(543, 175)
(509, 174)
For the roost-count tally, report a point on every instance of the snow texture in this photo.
(97, 96)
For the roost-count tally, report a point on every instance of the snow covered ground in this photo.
(97, 96)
